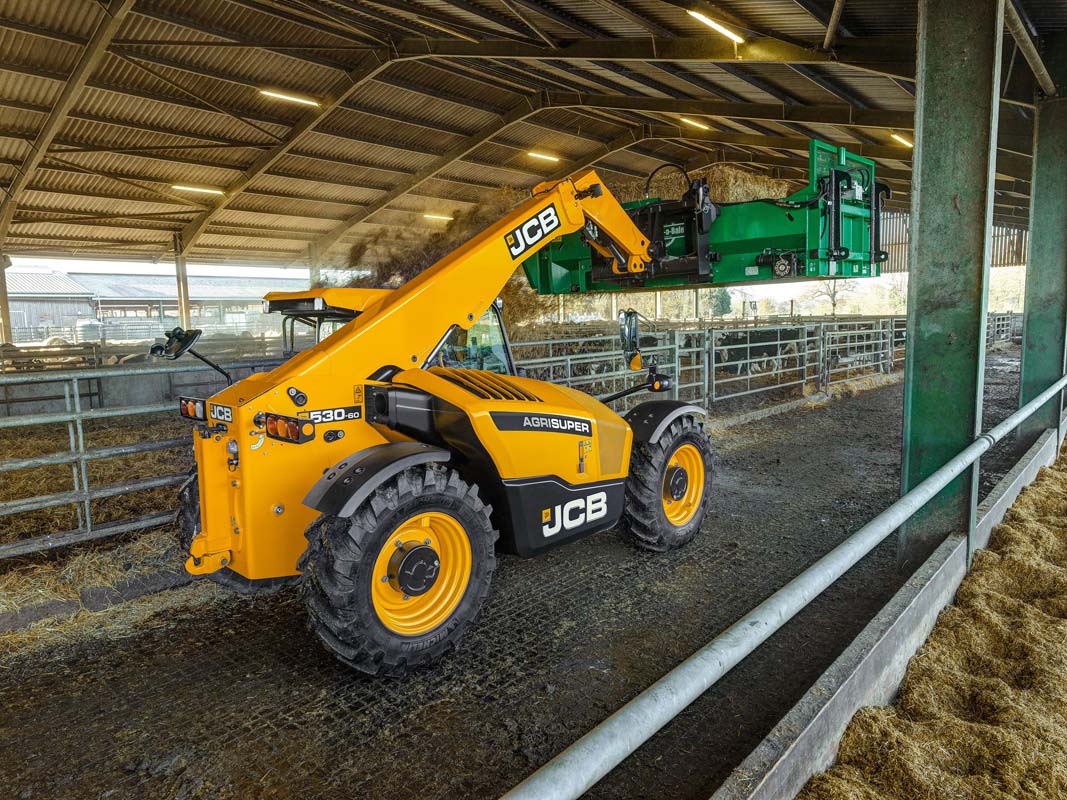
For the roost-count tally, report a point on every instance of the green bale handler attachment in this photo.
(829, 229)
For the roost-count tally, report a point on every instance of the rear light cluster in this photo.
(287, 429)
(191, 408)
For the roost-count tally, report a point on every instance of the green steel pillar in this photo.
(1045, 310)
(956, 107)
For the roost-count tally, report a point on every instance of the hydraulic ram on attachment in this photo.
(829, 229)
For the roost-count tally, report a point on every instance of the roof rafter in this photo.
(521, 110)
(370, 64)
(91, 56)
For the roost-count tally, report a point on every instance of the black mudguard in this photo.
(344, 487)
(649, 420)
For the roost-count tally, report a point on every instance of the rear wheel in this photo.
(668, 491)
(396, 585)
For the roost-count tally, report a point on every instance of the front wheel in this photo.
(396, 585)
(668, 490)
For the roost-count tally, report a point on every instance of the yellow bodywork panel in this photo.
(252, 516)
(536, 450)
(348, 299)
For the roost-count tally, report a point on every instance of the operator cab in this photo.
(484, 346)
(309, 317)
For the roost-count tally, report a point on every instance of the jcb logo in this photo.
(574, 514)
(222, 413)
(532, 231)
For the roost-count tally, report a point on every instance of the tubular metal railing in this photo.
(707, 365)
(574, 771)
(69, 410)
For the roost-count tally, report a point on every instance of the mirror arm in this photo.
(611, 398)
(213, 365)
(655, 383)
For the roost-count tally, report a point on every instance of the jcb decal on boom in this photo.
(533, 230)
(574, 514)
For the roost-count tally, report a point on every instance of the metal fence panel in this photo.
(706, 365)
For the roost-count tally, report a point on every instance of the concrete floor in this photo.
(231, 697)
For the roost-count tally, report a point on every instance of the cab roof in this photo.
(345, 301)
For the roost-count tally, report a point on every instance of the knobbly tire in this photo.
(355, 569)
(188, 517)
(654, 518)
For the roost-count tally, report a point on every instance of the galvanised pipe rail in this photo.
(574, 771)
(571, 368)
(122, 371)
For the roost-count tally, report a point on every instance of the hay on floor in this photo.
(982, 711)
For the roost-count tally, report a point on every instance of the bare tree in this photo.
(832, 291)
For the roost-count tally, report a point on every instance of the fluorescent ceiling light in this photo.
(438, 216)
(729, 34)
(201, 189)
(695, 124)
(542, 156)
(902, 140)
(292, 98)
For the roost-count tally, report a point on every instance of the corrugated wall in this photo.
(1010, 245)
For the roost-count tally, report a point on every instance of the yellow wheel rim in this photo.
(680, 511)
(422, 613)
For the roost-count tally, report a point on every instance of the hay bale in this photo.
(982, 710)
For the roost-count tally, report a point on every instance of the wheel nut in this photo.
(398, 543)
(425, 541)
(385, 579)
(406, 597)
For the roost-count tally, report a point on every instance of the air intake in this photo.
(487, 385)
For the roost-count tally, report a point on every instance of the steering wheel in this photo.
(178, 343)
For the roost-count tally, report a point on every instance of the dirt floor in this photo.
(199, 693)
(981, 713)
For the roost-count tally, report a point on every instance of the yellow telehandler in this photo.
(380, 467)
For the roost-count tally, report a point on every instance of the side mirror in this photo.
(631, 338)
(178, 344)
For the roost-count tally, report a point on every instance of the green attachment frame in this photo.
(822, 231)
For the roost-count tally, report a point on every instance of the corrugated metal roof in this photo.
(105, 286)
(43, 284)
(176, 100)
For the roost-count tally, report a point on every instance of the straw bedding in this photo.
(47, 439)
(62, 574)
(982, 711)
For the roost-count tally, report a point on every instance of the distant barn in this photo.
(81, 306)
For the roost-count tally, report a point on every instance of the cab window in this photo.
(481, 347)
(301, 332)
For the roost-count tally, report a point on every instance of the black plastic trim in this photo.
(346, 485)
(649, 420)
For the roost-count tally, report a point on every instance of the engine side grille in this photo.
(487, 385)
